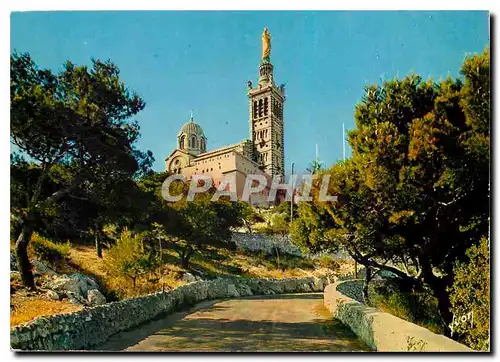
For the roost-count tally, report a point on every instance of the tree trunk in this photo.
(366, 283)
(23, 262)
(438, 286)
(98, 246)
(248, 226)
(184, 261)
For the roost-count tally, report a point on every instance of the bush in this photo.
(470, 293)
(328, 262)
(53, 253)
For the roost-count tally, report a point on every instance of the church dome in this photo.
(191, 138)
(191, 127)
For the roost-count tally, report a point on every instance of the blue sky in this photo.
(201, 61)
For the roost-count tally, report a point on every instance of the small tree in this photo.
(128, 257)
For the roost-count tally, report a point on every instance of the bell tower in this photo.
(266, 116)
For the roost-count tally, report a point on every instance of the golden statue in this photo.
(266, 44)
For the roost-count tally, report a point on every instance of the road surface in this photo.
(278, 323)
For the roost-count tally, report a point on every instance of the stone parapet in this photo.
(382, 331)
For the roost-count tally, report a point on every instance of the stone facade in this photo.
(92, 326)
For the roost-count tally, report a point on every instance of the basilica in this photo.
(261, 154)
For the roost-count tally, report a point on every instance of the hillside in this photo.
(27, 305)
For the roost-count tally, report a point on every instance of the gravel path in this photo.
(279, 323)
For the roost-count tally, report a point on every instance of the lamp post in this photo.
(291, 200)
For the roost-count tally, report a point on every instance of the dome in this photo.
(191, 127)
(191, 138)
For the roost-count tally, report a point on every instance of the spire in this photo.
(191, 118)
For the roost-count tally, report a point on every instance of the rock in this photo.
(53, 295)
(41, 269)
(95, 297)
(76, 298)
(85, 283)
(188, 277)
(65, 285)
(13, 262)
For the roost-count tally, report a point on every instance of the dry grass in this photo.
(26, 308)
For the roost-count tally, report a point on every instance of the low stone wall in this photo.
(267, 244)
(92, 326)
(383, 331)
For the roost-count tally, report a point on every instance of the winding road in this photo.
(277, 323)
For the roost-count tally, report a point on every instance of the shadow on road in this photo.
(287, 322)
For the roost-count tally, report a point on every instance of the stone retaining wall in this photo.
(383, 331)
(267, 244)
(92, 326)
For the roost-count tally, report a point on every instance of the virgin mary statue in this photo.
(266, 44)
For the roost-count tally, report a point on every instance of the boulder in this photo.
(77, 284)
(86, 283)
(41, 269)
(95, 297)
(76, 298)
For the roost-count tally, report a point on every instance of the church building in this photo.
(261, 154)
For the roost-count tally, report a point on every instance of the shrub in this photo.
(418, 307)
(53, 253)
(470, 292)
(328, 262)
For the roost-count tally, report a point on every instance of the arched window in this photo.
(182, 141)
(203, 145)
(193, 142)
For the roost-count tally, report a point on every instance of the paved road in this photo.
(283, 323)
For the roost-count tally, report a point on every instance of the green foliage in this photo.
(74, 125)
(129, 258)
(190, 227)
(470, 292)
(313, 229)
(278, 225)
(415, 192)
(53, 253)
